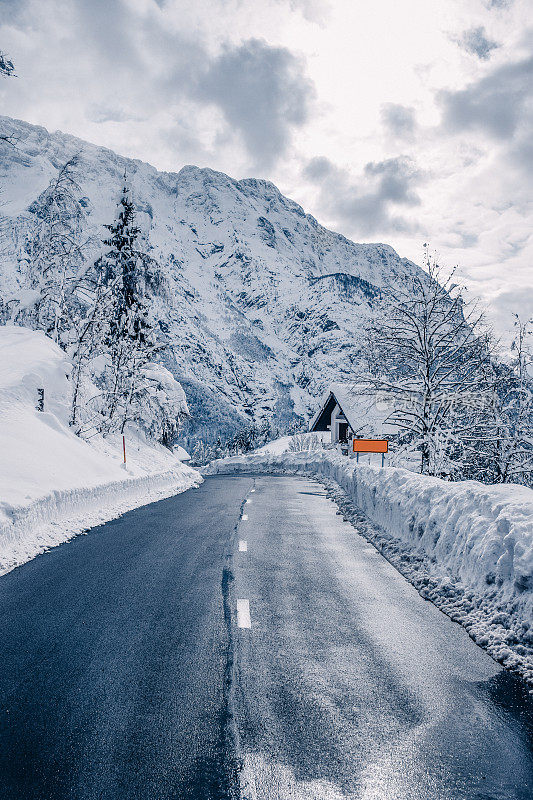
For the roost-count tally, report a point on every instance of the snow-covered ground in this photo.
(274, 448)
(53, 484)
(300, 441)
(465, 546)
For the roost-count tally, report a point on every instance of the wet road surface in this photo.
(242, 640)
(349, 683)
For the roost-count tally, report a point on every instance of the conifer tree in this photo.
(7, 68)
(130, 337)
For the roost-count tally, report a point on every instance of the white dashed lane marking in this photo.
(252, 490)
(244, 516)
(248, 500)
(243, 546)
(243, 614)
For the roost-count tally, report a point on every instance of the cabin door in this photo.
(343, 431)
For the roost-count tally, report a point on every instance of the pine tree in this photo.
(265, 432)
(7, 70)
(130, 336)
(218, 449)
(6, 66)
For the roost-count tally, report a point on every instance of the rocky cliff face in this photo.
(261, 305)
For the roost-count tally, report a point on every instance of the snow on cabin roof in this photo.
(364, 409)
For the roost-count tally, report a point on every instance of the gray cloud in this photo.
(262, 91)
(399, 121)
(395, 179)
(12, 11)
(130, 64)
(468, 239)
(476, 42)
(319, 168)
(312, 10)
(367, 205)
(112, 113)
(521, 152)
(459, 237)
(134, 47)
(506, 304)
(496, 104)
(499, 3)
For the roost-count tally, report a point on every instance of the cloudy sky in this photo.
(400, 121)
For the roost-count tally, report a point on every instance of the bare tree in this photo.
(90, 328)
(54, 255)
(499, 440)
(425, 355)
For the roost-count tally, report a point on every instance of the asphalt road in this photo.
(127, 672)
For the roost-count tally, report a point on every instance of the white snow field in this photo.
(53, 484)
(466, 546)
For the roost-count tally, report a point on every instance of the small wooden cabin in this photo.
(351, 410)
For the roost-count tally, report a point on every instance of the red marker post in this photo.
(124, 448)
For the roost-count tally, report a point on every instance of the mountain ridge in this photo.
(261, 305)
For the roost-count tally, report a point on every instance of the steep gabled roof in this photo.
(360, 405)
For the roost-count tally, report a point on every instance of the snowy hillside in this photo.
(263, 306)
(54, 484)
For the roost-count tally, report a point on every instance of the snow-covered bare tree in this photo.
(425, 355)
(160, 404)
(87, 348)
(200, 453)
(522, 455)
(499, 441)
(54, 256)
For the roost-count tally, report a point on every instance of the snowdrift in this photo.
(466, 546)
(53, 484)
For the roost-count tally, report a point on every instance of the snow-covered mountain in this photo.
(262, 306)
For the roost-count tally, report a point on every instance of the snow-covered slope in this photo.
(52, 483)
(263, 306)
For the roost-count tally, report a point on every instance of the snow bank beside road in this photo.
(466, 546)
(274, 448)
(53, 484)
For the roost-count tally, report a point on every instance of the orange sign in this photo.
(370, 446)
